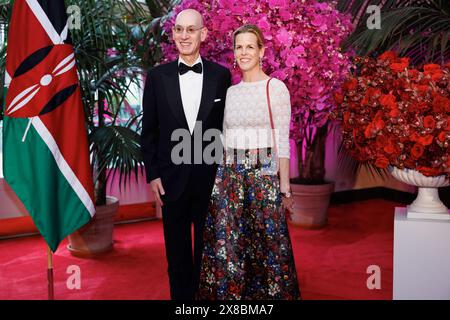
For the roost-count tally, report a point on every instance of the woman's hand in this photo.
(288, 205)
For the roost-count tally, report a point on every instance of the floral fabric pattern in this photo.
(247, 250)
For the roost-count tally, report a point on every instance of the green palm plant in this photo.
(107, 68)
(117, 42)
(419, 29)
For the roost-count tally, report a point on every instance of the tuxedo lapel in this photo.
(173, 93)
(208, 91)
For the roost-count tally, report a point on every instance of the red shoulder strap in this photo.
(270, 115)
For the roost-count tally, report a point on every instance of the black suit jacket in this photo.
(163, 114)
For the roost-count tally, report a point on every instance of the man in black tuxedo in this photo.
(187, 95)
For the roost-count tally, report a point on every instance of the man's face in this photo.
(188, 33)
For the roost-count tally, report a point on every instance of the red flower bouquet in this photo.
(393, 114)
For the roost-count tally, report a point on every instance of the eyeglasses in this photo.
(189, 30)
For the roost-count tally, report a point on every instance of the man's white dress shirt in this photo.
(191, 84)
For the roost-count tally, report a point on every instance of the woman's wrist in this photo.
(285, 188)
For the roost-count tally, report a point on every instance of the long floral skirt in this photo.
(247, 250)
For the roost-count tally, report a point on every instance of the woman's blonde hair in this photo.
(249, 28)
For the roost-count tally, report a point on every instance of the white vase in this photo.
(427, 205)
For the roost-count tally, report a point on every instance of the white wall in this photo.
(137, 192)
(10, 205)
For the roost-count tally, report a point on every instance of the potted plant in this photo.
(397, 117)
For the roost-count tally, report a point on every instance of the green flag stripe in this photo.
(66, 170)
(34, 176)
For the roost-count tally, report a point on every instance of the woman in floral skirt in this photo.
(247, 250)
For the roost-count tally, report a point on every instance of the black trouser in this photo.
(178, 216)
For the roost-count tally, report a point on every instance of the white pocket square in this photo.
(217, 100)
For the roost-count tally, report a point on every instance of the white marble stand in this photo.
(421, 258)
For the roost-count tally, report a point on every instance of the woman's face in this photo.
(247, 52)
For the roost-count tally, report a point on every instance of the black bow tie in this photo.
(182, 68)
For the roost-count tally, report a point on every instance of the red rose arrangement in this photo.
(393, 114)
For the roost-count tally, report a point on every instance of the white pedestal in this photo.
(421, 258)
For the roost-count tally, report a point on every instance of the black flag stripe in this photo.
(32, 60)
(56, 13)
(58, 99)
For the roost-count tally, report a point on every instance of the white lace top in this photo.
(247, 121)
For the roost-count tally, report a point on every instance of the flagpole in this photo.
(50, 273)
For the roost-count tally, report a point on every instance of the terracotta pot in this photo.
(95, 237)
(311, 204)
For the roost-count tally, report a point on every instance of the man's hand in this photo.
(158, 190)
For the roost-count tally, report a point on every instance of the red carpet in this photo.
(331, 262)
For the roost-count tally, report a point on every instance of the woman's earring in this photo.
(234, 64)
(260, 62)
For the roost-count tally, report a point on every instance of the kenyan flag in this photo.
(46, 157)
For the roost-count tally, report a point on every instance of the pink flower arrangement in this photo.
(302, 48)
